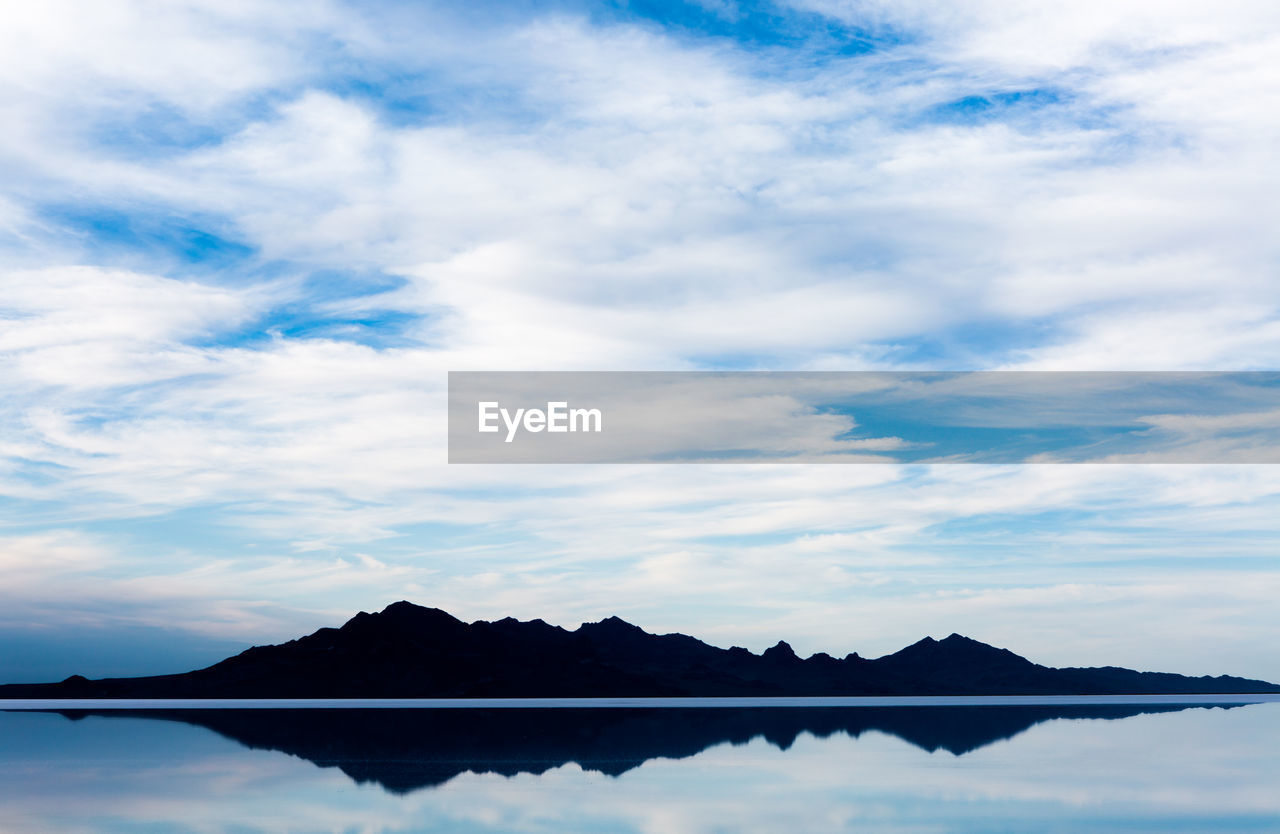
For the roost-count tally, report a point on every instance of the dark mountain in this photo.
(408, 651)
(404, 750)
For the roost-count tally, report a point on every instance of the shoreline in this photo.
(780, 702)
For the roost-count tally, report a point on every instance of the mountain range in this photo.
(410, 651)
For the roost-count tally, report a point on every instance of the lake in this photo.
(894, 765)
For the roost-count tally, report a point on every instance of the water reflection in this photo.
(404, 750)
(951, 769)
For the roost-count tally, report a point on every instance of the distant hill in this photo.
(408, 651)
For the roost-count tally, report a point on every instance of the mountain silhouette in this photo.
(404, 750)
(408, 651)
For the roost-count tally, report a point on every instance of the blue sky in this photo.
(244, 243)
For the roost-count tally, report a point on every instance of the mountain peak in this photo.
(922, 643)
(406, 608)
(397, 615)
(613, 625)
(780, 651)
(960, 643)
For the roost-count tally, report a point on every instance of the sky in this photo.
(243, 243)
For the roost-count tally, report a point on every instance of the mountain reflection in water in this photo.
(405, 750)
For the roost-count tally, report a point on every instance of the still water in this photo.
(1059, 766)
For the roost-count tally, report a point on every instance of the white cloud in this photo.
(70, 307)
(626, 200)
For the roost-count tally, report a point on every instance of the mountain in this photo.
(408, 651)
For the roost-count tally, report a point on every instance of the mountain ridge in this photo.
(412, 651)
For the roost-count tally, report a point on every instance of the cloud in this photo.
(245, 242)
